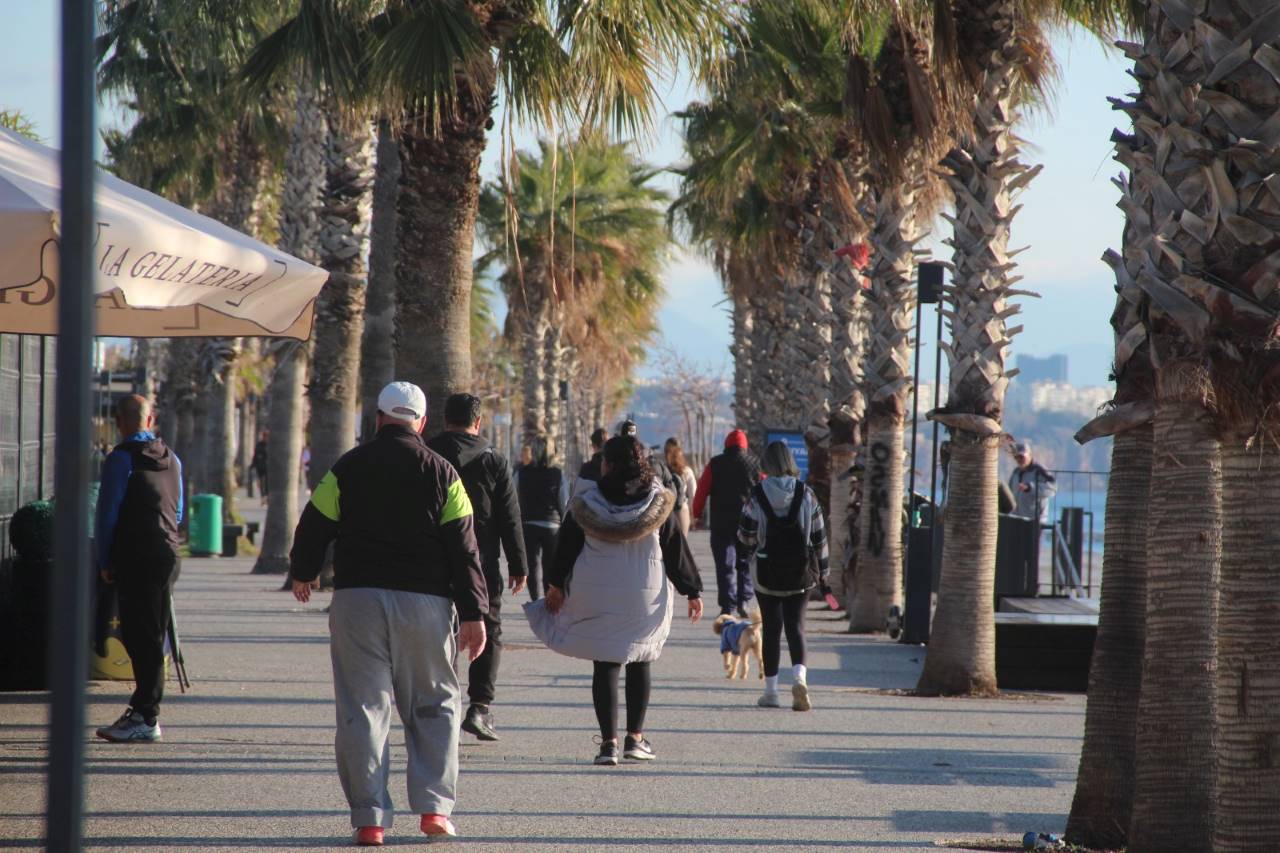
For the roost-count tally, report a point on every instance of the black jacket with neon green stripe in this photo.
(399, 518)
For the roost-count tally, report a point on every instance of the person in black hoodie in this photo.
(590, 470)
(544, 494)
(139, 510)
(496, 511)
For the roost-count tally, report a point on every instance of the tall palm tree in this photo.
(569, 228)
(1102, 807)
(344, 237)
(1210, 289)
(377, 348)
(304, 183)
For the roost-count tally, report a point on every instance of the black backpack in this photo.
(786, 562)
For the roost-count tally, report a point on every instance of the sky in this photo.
(1068, 216)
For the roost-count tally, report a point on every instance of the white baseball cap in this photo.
(403, 401)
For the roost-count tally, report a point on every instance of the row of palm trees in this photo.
(827, 125)
(1181, 728)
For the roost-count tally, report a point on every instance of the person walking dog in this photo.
(782, 535)
(139, 511)
(496, 511)
(404, 558)
(609, 598)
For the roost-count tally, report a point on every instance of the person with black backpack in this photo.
(782, 536)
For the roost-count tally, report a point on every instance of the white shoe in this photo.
(800, 697)
(769, 700)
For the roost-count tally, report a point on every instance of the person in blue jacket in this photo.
(139, 510)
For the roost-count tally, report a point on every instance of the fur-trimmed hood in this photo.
(622, 523)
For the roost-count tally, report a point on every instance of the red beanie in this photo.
(736, 438)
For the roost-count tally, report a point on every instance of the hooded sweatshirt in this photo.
(753, 532)
(494, 505)
(139, 504)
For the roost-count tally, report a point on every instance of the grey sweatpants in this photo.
(394, 646)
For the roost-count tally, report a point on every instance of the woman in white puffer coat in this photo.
(609, 600)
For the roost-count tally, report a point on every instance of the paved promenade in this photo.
(247, 757)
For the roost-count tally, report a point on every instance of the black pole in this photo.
(937, 389)
(915, 417)
(69, 585)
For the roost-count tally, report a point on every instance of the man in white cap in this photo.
(1031, 484)
(405, 562)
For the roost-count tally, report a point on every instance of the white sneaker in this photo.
(769, 700)
(800, 697)
(129, 728)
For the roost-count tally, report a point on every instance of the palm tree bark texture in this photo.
(887, 376)
(344, 233)
(439, 194)
(984, 175)
(304, 182)
(377, 349)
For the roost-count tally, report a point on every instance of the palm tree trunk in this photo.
(1247, 790)
(888, 381)
(198, 457)
(962, 641)
(284, 451)
(741, 350)
(223, 355)
(335, 369)
(305, 178)
(1103, 801)
(877, 586)
(439, 196)
(377, 349)
(1173, 803)
(554, 375)
(533, 378)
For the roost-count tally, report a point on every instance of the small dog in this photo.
(740, 638)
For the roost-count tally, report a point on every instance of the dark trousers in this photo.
(484, 669)
(540, 546)
(144, 589)
(778, 613)
(604, 694)
(733, 582)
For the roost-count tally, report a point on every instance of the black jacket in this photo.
(539, 488)
(727, 481)
(150, 508)
(677, 558)
(400, 518)
(494, 505)
(590, 469)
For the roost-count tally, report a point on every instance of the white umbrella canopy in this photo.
(160, 270)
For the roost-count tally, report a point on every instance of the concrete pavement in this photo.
(247, 757)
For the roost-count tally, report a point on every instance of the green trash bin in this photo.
(206, 525)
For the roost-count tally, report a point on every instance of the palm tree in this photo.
(568, 239)
(377, 349)
(344, 236)
(1210, 307)
(304, 183)
(1102, 807)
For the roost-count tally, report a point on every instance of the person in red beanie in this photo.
(727, 481)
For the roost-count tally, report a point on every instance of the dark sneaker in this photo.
(479, 722)
(639, 749)
(608, 756)
(131, 727)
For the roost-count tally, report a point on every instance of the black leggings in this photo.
(604, 693)
(778, 612)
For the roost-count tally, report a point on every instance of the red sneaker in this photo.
(369, 836)
(438, 826)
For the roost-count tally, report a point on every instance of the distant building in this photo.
(1051, 368)
(1082, 400)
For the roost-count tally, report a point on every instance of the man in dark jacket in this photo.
(405, 557)
(496, 511)
(727, 481)
(139, 510)
(544, 494)
(590, 470)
